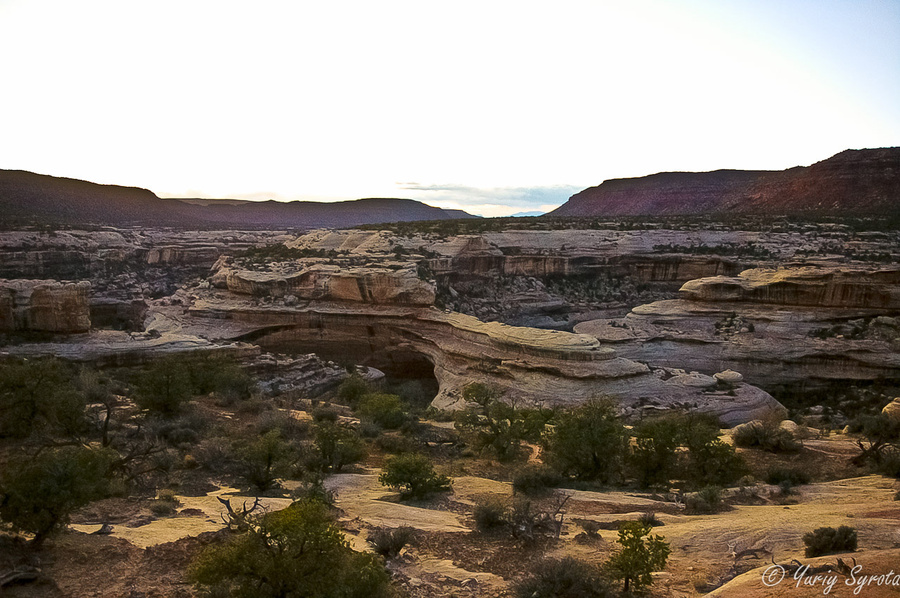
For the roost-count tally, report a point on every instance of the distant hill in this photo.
(527, 214)
(853, 182)
(29, 198)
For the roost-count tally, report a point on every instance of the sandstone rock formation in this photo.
(775, 326)
(44, 306)
(329, 282)
(528, 365)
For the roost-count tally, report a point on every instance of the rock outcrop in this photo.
(775, 326)
(528, 365)
(44, 306)
(329, 283)
(861, 288)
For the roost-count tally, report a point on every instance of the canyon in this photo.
(550, 317)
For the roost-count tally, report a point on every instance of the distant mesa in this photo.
(853, 182)
(28, 198)
(528, 214)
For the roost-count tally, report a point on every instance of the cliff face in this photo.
(851, 182)
(809, 286)
(44, 306)
(329, 283)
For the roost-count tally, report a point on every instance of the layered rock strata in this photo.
(527, 365)
(44, 306)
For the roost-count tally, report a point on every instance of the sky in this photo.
(494, 107)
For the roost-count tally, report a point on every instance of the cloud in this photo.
(490, 201)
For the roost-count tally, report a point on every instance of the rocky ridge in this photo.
(863, 181)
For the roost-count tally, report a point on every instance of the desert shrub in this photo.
(38, 493)
(589, 442)
(213, 454)
(264, 460)
(38, 394)
(533, 479)
(385, 410)
(780, 475)
(707, 500)
(827, 540)
(654, 458)
(165, 386)
(353, 389)
(890, 462)
(165, 504)
(489, 514)
(324, 413)
(650, 519)
(766, 436)
(715, 463)
(563, 578)
(881, 432)
(283, 422)
(337, 446)
(298, 551)
(640, 554)
(389, 542)
(490, 425)
(413, 475)
(312, 487)
(897, 495)
(397, 443)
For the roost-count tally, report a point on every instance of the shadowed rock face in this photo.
(44, 306)
(851, 182)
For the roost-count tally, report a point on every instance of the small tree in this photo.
(37, 494)
(640, 554)
(654, 457)
(165, 386)
(37, 394)
(589, 442)
(265, 460)
(490, 425)
(353, 389)
(298, 551)
(337, 446)
(386, 410)
(413, 475)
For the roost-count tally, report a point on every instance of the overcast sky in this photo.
(493, 107)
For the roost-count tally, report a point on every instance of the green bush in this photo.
(298, 551)
(353, 389)
(165, 386)
(715, 463)
(38, 394)
(827, 540)
(38, 493)
(489, 514)
(388, 411)
(490, 425)
(389, 542)
(413, 475)
(589, 442)
(638, 556)
(707, 500)
(766, 436)
(780, 475)
(654, 458)
(563, 578)
(337, 446)
(535, 479)
(650, 519)
(264, 460)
